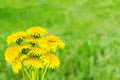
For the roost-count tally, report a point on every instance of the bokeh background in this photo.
(89, 28)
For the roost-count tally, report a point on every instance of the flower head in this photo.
(12, 53)
(51, 42)
(30, 39)
(36, 31)
(36, 51)
(15, 37)
(51, 61)
(33, 62)
(16, 66)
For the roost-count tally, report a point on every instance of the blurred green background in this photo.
(89, 28)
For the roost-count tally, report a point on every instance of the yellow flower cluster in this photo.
(32, 49)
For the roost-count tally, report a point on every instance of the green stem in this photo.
(43, 73)
(23, 74)
(37, 74)
(34, 75)
(27, 73)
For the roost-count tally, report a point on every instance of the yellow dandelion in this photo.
(36, 31)
(16, 66)
(51, 42)
(12, 53)
(31, 39)
(33, 62)
(56, 40)
(36, 51)
(51, 61)
(16, 36)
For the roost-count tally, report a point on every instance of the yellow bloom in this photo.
(33, 62)
(16, 66)
(15, 36)
(51, 61)
(31, 50)
(31, 39)
(36, 31)
(12, 53)
(51, 42)
(25, 48)
(36, 51)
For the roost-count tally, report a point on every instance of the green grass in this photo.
(89, 28)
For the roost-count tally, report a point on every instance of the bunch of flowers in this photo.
(32, 52)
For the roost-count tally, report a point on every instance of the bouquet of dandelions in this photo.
(32, 52)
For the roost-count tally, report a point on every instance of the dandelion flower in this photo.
(31, 39)
(11, 53)
(36, 51)
(36, 31)
(33, 62)
(15, 37)
(16, 66)
(51, 61)
(51, 42)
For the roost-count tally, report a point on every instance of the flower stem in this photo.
(23, 74)
(33, 75)
(26, 74)
(37, 74)
(43, 73)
